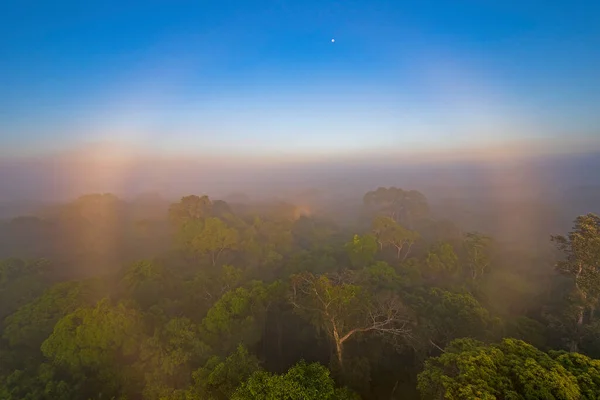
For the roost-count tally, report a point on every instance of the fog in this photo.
(514, 197)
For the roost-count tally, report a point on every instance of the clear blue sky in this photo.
(264, 77)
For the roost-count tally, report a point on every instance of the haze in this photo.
(474, 101)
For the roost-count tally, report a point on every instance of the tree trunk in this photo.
(592, 311)
(279, 342)
(339, 350)
(580, 313)
(573, 347)
(407, 252)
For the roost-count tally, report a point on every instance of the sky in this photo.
(263, 79)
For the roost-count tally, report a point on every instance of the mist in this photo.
(515, 197)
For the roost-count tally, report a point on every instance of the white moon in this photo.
(332, 40)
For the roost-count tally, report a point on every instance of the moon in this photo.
(332, 40)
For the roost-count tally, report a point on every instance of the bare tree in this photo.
(343, 310)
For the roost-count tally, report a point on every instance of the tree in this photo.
(32, 323)
(344, 310)
(265, 241)
(581, 248)
(446, 316)
(301, 382)
(190, 208)
(97, 345)
(361, 250)
(146, 282)
(477, 250)
(20, 282)
(169, 356)
(512, 369)
(210, 237)
(219, 378)
(390, 233)
(403, 206)
(442, 263)
(238, 316)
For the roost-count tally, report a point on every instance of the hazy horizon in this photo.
(272, 99)
(245, 80)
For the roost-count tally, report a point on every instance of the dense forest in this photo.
(103, 298)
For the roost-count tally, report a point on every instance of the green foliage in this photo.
(447, 316)
(403, 206)
(218, 378)
(20, 282)
(209, 237)
(146, 282)
(31, 324)
(361, 250)
(190, 208)
(98, 345)
(477, 248)
(224, 300)
(168, 357)
(511, 369)
(528, 330)
(301, 382)
(380, 276)
(344, 311)
(442, 262)
(239, 316)
(389, 233)
(582, 255)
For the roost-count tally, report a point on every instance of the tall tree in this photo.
(389, 233)
(97, 347)
(361, 250)
(239, 316)
(344, 310)
(190, 208)
(403, 206)
(478, 253)
(581, 248)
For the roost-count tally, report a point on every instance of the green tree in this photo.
(301, 382)
(442, 261)
(169, 356)
(32, 323)
(361, 250)
(581, 248)
(98, 345)
(511, 369)
(20, 282)
(146, 282)
(219, 378)
(239, 316)
(190, 208)
(215, 238)
(389, 233)
(403, 206)
(446, 316)
(209, 237)
(477, 249)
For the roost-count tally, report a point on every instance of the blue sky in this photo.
(263, 77)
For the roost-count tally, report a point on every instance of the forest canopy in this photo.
(102, 298)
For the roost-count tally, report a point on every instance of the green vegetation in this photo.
(209, 300)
